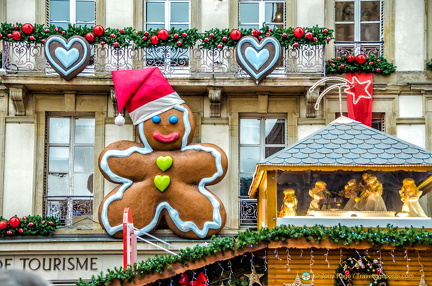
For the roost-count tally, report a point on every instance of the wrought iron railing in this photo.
(71, 210)
(30, 58)
(248, 212)
(355, 48)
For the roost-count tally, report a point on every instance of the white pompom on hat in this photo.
(144, 92)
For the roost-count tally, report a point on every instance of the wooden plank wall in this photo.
(394, 264)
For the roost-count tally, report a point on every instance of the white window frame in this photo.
(261, 12)
(167, 21)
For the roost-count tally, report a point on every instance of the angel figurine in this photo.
(410, 195)
(289, 206)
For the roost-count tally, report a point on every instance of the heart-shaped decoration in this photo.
(258, 59)
(162, 182)
(164, 162)
(67, 57)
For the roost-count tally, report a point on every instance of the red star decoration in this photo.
(358, 89)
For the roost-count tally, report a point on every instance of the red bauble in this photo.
(379, 271)
(90, 37)
(309, 35)
(16, 35)
(224, 39)
(325, 31)
(184, 35)
(146, 33)
(56, 29)
(378, 70)
(50, 223)
(103, 43)
(342, 66)
(9, 232)
(295, 44)
(31, 224)
(350, 58)
(179, 43)
(163, 34)
(315, 39)
(235, 34)
(176, 36)
(347, 272)
(328, 39)
(63, 32)
(3, 224)
(206, 40)
(121, 31)
(284, 35)
(98, 30)
(1, 35)
(16, 27)
(27, 28)
(220, 46)
(255, 32)
(112, 36)
(260, 38)
(20, 230)
(371, 63)
(14, 221)
(144, 38)
(267, 34)
(31, 38)
(184, 280)
(154, 40)
(298, 32)
(116, 45)
(43, 41)
(361, 58)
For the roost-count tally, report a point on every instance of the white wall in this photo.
(21, 11)
(119, 14)
(410, 35)
(410, 106)
(214, 14)
(310, 13)
(19, 171)
(306, 130)
(413, 133)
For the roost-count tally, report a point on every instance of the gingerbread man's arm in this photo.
(123, 159)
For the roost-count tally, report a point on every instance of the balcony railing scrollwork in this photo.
(197, 62)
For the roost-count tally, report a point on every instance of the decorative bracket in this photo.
(311, 98)
(215, 97)
(114, 101)
(18, 96)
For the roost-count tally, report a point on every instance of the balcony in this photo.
(23, 57)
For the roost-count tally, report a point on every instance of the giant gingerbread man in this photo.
(164, 178)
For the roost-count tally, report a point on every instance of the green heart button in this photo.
(162, 182)
(164, 162)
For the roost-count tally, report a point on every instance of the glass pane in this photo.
(245, 182)
(271, 150)
(251, 26)
(275, 131)
(83, 184)
(344, 32)
(155, 12)
(155, 26)
(58, 185)
(84, 130)
(180, 12)
(180, 26)
(63, 25)
(58, 160)
(249, 13)
(249, 131)
(249, 157)
(370, 11)
(59, 129)
(83, 159)
(274, 12)
(59, 10)
(370, 32)
(85, 11)
(344, 11)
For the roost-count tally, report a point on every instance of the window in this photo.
(69, 170)
(259, 138)
(378, 120)
(167, 14)
(252, 14)
(358, 25)
(75, 12)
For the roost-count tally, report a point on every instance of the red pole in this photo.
(128, 236)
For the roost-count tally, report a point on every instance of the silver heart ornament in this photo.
(258, 59)
(68, 57)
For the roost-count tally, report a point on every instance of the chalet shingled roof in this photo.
(349, 142)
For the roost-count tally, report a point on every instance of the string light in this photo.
(326, 258)
(407, 261)
(230, 272)
(265, 261)
(312, 261)
(288, 259)
(205, 274)
(220, 265)
(276, 254)
(171, 282)
(421, 265)
(392, 255)
(301, 252)
(340, 255)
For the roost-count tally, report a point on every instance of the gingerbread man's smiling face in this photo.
(165, 131)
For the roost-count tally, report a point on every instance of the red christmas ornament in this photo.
(235, 34)
(121, 31)
(56, 29)
(284, 35)
(299, 32)
(260, 38)
(211, 35)
(9, 35)
(378, 70)
(206, 40)
(1, 35)
(103, 43)
(347, 272)
(50, 223)
(163, 34)
(176, 36)
(330, 60)
(9, 232)
(378, 60)
(31, 38)
(342, 66)
(371, 63)
(144, 38)
(179, 43)
(90, 37)
(16, 35)
(224, 39)
(315, 39)
(325, 31)
(146, 33)
(27, 28)
(46, 30)
(350, 58)
(328, 39)
(184, 35)
(116, 45)
(333, 65)
(184, 280)
(16, 27)
(98, 30)
(220, 46)
(309, 35)
(296, 45)
(3, 224)
(193, 283)
(44, 222)
(267, 34)
(31, 224)
(379, 270)
(154, 40)
(361, 58)
(63, 32)
(43, 41)
(14, 221)
(20, 230)
(255, 32)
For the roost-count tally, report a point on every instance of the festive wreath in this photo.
(361, 267)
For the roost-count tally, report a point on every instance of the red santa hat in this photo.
(144, 92)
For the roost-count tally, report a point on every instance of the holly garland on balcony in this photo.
(28, 225)
(359, 63)
(177, 38)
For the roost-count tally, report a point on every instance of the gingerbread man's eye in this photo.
(173, 119)
(156, 119)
